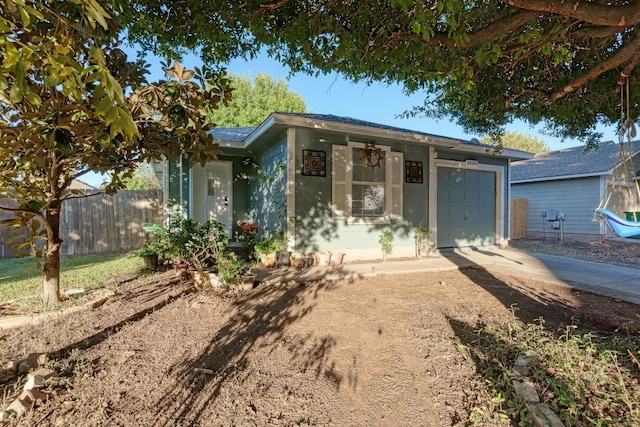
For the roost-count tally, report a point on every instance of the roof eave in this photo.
(505, 153)
(229, 143)
(310, 123)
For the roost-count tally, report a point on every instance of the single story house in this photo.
(335, 183)
(564, 188)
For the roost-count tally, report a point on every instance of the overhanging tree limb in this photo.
(491, 31)
(626, 55)
(609, 15)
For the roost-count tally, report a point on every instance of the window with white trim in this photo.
(365, 194)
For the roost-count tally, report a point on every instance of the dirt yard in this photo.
(379, 351)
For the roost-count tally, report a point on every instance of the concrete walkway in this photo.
(609, 280)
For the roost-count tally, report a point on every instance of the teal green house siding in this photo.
(267, 191)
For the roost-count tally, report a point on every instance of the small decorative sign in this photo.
(314, 163)
(413, 172)
(472, 163)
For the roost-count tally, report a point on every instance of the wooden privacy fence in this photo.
(102, 223)
(518, 218)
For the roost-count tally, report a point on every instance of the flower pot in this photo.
(336, 258)
(268, 259)
(180, 269)
(282, 258)
(215, 281)
(151, 261)
(200, 279)
(323, 259)
(298, 260)
(249, 255)
(206, 279)
(248, 280)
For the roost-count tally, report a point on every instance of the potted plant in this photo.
(247, 237)
(282, 254)
(205, 246)
(230, 271)
(149, 256)
(155, 249)
(266, 248)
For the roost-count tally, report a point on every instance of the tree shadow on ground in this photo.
(258, 320)
(493, 356)
(161, 290)
(557, 310)
(492, 360)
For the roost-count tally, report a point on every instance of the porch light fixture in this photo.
(371, 155)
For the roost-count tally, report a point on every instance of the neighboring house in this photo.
(76, 184)
(305, 174)
(574, 183)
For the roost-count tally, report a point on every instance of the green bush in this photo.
(204, 244)
(231, 270)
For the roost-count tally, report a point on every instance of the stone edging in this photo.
(543, 416)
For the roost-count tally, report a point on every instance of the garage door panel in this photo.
(458, 198)
(471, 196)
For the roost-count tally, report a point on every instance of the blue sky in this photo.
(332, 94)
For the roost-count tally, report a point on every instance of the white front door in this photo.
(212, 193)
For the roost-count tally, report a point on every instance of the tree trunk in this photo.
(51, 268)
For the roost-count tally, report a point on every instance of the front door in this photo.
(212, 193)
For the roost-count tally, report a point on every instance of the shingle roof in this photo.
(232, 134)
(570, 162)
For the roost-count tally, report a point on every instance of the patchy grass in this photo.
(587, 378)
(20, 278)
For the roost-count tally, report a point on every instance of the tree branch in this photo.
(628, 56)
(597, 14)
(17, 211)
(597, 32)
(496, 28)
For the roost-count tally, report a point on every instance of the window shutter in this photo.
(339, 181)
(397, 172)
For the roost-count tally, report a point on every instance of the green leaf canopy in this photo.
(482, 62)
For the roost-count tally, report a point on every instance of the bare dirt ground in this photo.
(378, 351)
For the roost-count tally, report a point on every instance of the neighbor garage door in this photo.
(466, 207)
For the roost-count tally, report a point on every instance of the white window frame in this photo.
(343, 209)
